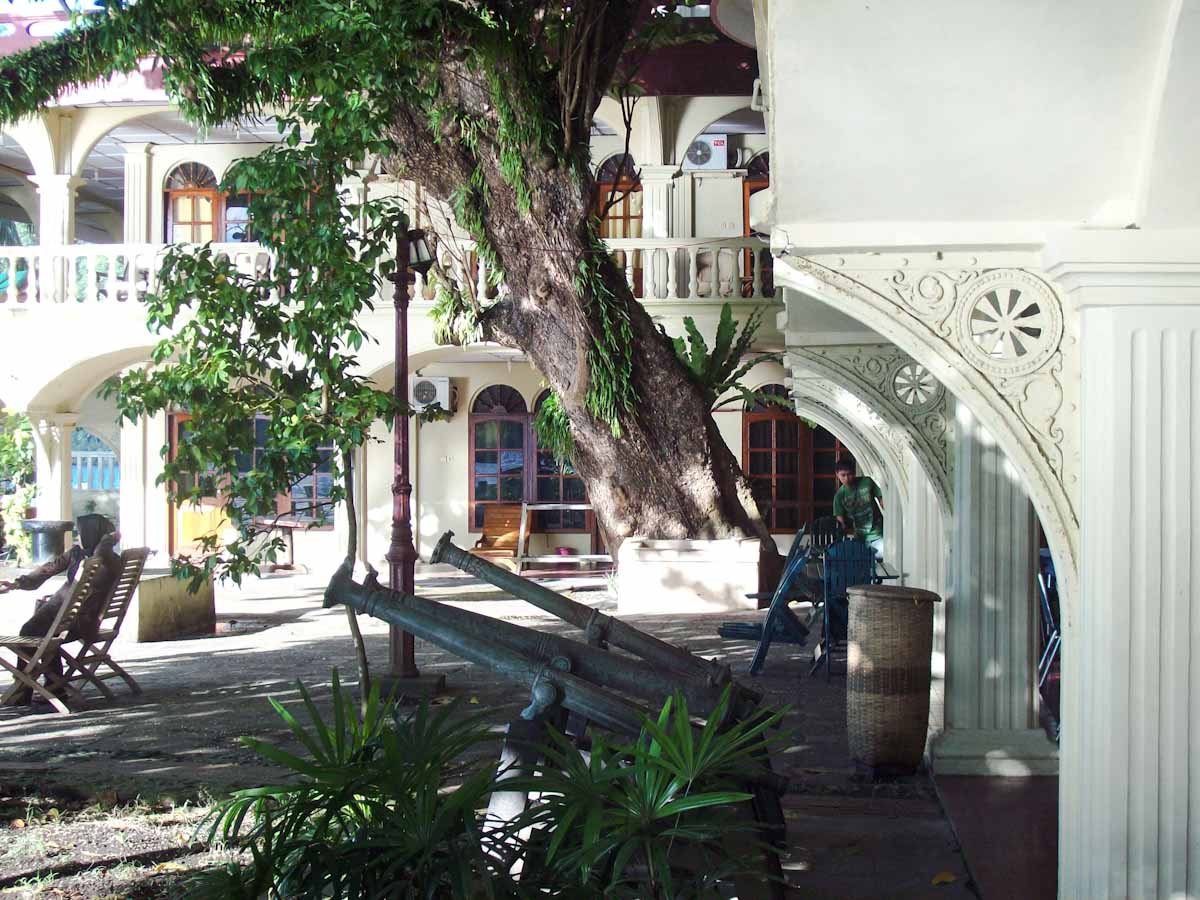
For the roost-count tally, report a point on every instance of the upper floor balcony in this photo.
(59, 278)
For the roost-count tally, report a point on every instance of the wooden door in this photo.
(189, 522)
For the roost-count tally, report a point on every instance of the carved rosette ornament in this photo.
(1000, 327)
(1009, 323)
(901, 391)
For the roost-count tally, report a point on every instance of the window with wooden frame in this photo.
(192, 207)
(499, 433)
(235, 219)
(775, 456)
(827, 450)
(308, 501)
(758, 178)
(555, 482)
(617, 179)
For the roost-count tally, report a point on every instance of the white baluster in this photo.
(628, 254)
(70, 263)
(481, 278)
(756, 268)
(10, 270)
(32, 279)
(92, 284)
(693, 272)
(672, 286)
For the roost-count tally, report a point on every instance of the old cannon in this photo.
(571, 683)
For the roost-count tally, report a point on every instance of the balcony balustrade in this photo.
(657, 269)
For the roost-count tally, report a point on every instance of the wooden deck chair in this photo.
(39, 653)
(92, 662)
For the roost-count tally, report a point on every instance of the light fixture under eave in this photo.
(419, 257)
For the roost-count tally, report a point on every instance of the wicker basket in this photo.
(887, 683)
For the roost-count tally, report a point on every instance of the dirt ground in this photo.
(106, 802)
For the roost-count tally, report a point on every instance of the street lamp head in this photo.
(419, 257)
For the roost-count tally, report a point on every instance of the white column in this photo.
(143, 508)
(52, 455)
(657, 197)
(924, 560)
(991, 711)
(56, 204)
(1131, 648)
(1129, 789)
(137, 194)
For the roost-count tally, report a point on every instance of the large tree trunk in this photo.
(669, 474)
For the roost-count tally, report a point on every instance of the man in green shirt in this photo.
(858, 505)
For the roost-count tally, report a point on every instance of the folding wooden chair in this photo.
(87, 665)
(848, 562)
(781, 624)
(37, 654)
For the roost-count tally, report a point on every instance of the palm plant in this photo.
(369, 814)
(388, 807)
(663, 816)
(719, 371)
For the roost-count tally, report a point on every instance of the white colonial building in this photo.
(984, 274)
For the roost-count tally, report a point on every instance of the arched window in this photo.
(617, 182)
(192, 204)
(790, 462)
(826, 451)
(499, 423)
(776, 448)
(557, 483)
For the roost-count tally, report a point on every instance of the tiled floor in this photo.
(1009, 833)
(848, 837)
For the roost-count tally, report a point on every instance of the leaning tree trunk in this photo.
(669, 474)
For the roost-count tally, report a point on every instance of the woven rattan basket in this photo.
(887, 681)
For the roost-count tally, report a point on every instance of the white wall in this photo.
(948, 111)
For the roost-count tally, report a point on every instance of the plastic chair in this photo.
(847, 563)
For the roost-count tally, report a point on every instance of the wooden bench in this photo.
(501, 535)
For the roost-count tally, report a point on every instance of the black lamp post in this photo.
(412, 254)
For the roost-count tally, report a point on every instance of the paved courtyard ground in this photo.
(105, 802)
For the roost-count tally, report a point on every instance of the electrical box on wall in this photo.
(432, 390)
(708, 151)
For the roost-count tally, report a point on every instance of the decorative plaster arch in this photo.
(696, 114)
(92, 124)
(867, 446)
(33, 137)
(64, 388)
(932, 306)
(914, 406)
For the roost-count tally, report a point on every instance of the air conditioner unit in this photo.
(708, 151)
(432, 390)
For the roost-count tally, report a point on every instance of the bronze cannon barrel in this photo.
(575, 693)
(591, 621)
(630, 676)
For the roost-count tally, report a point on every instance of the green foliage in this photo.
(368, 813)
(16, 450)
(719, 372)
(276, 342)
(610, 394)
(384, 806)
(649, 818)
(554, 429)
(12, 512)
(344, 74)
